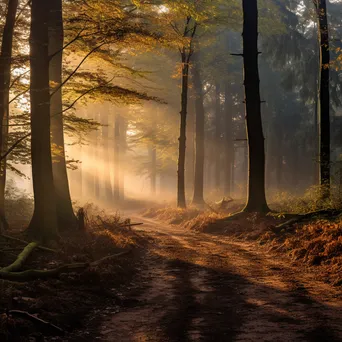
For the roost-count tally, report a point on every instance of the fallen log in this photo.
(44, 326)
(26, 242)
(44, 274)
(22, 257)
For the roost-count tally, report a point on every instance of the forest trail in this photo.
(198, 287)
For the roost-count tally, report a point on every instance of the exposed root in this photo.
(43, 274)
(22, 257)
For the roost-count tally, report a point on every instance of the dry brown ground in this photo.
(200, 287)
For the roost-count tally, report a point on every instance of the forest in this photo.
(171, 170)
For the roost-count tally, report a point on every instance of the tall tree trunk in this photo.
(228, 140)
(123, 149)
(43, 224)
(153, 168)
(5, 79)
(97, 157)
(256, 201)
(106, 151)
(324, 113)
(181, 202)
(199, 142)
(190, 151)
(117, 196)
(65, 213)
(217, 139)
(153, 159)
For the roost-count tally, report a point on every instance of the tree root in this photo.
(46, 327)
(307, 217)
(43, 274)
(22, 257)
(26, 242)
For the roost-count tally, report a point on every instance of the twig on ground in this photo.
(46, 326)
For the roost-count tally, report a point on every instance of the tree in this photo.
(324, 97)
(117, 154)
(228, 141)
(199, 139)
(65, 213)
(218, 132)
(5, 79)
(43, 224)
(256, 201)
(186, 52)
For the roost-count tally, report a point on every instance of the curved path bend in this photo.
(199, 287)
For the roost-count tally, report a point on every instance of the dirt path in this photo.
(197, 287)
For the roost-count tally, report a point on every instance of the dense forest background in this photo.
(121, 75)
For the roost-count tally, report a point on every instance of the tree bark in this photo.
(181, 202)
(153, 170)
(117, 196)
(217, 139)
(324, 113)
(123, 149)
(228, 141)
(190, 150)
(106, 152)
(43, 224)
(256, 201)
(198, 198)
(5, 79)
(65, 213)
(97, 157)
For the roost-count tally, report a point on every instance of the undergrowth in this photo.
(316, 243)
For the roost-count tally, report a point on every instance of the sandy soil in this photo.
(199, 287)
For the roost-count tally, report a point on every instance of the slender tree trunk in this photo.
(5, 79)
(65, 213)
(190, 155)
(279, 151)
(123, 149)
(117, 196)
(256, 201)
(97, 157)
(106, 151)
(324, 113)
(217, 139)
(228, 141)
(233, 170)
(153, 168)
(181, 202)
(43, 224)
(153, 159)
(199, 142)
